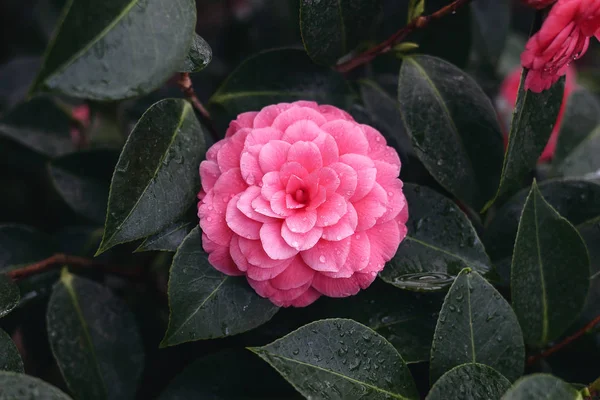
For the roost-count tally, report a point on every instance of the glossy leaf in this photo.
(22, 245)
(470, 381)
(83, 180)
(583, 160)
(340, 359)
(541, 386)
(332, 28)
(550, 272)
(207, 304)
(533, 121)
(405, 319)
(441, 241)
(156, 179)
(415, 9)
(477, 325)
(581, 118)
(453, 127)
(276, 76)
(199, 55)
(576, 200)
(168, 239)
(39, 124)
(9, 295)
(10, 359)
(120, 49)
(491, 23)
(15, 386)
(95, 340)
(231, 374)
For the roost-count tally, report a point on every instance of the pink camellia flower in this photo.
(563, 38)
(508, 99)
(538, 4)
(303, 201)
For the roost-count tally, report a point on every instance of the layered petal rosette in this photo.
(303, 201)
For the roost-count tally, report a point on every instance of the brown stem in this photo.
(59, 259)
(387, 45)
(558, 346)
(185, 84)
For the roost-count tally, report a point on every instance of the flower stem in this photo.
(185, 84)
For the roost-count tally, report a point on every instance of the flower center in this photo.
(300, 196)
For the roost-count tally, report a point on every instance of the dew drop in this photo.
(322, 259)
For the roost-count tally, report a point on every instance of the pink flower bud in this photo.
(303, 201)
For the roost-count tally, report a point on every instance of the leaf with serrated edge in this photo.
(550, 272)
(469, 381)
(198, 57)
(206, 303)
(10, 359)
(340, 359)
(541, 386)
(476, 325)
(156, 178)
(168, 239)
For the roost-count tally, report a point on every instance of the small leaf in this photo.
(405, 319)
(10, 359)
(337, 359)
(533, 120)
(550, 272)
(470, 381)
(332, 28)
(95, 340)
(476, 325)
(123, 49)
(168, 239)
(276, 76)
(9, 295)
(416, 8)
(440, 242)
(453, 127)
(22, 245)
(15, 386)
(156, 178)
(83, 180)
(207, 304)
(199, 55)
(541, 386)
(39, 124)
(491, 23)
(581, 118)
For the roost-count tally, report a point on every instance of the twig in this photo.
(185, 84)
(386, 46)
(558, 346)
(59, 259)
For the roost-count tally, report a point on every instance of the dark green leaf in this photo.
(590, 231)
(541, 386)
(550, 272)
(476, 325)
(207, 304)
(533, 120)
(440, 242)
(583, 160)
(453, 127)
(15, 386)
(415, 9)
(199, 55)
(39, 124)
(405, 319)
(581, 118)
(9, 295)
(94, 339)
(231, 374)
(10, 359)
(21, 245)
(120, 49)
(576, 200)
(340, 359)
(332, 28)
(168, 239)
(83, 181)
(491, 23)
(470, 381)
(156, 179)
(277, 76)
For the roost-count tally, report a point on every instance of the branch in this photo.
(386, 46)
(185, 84)
(558, 346)
(59, 259)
